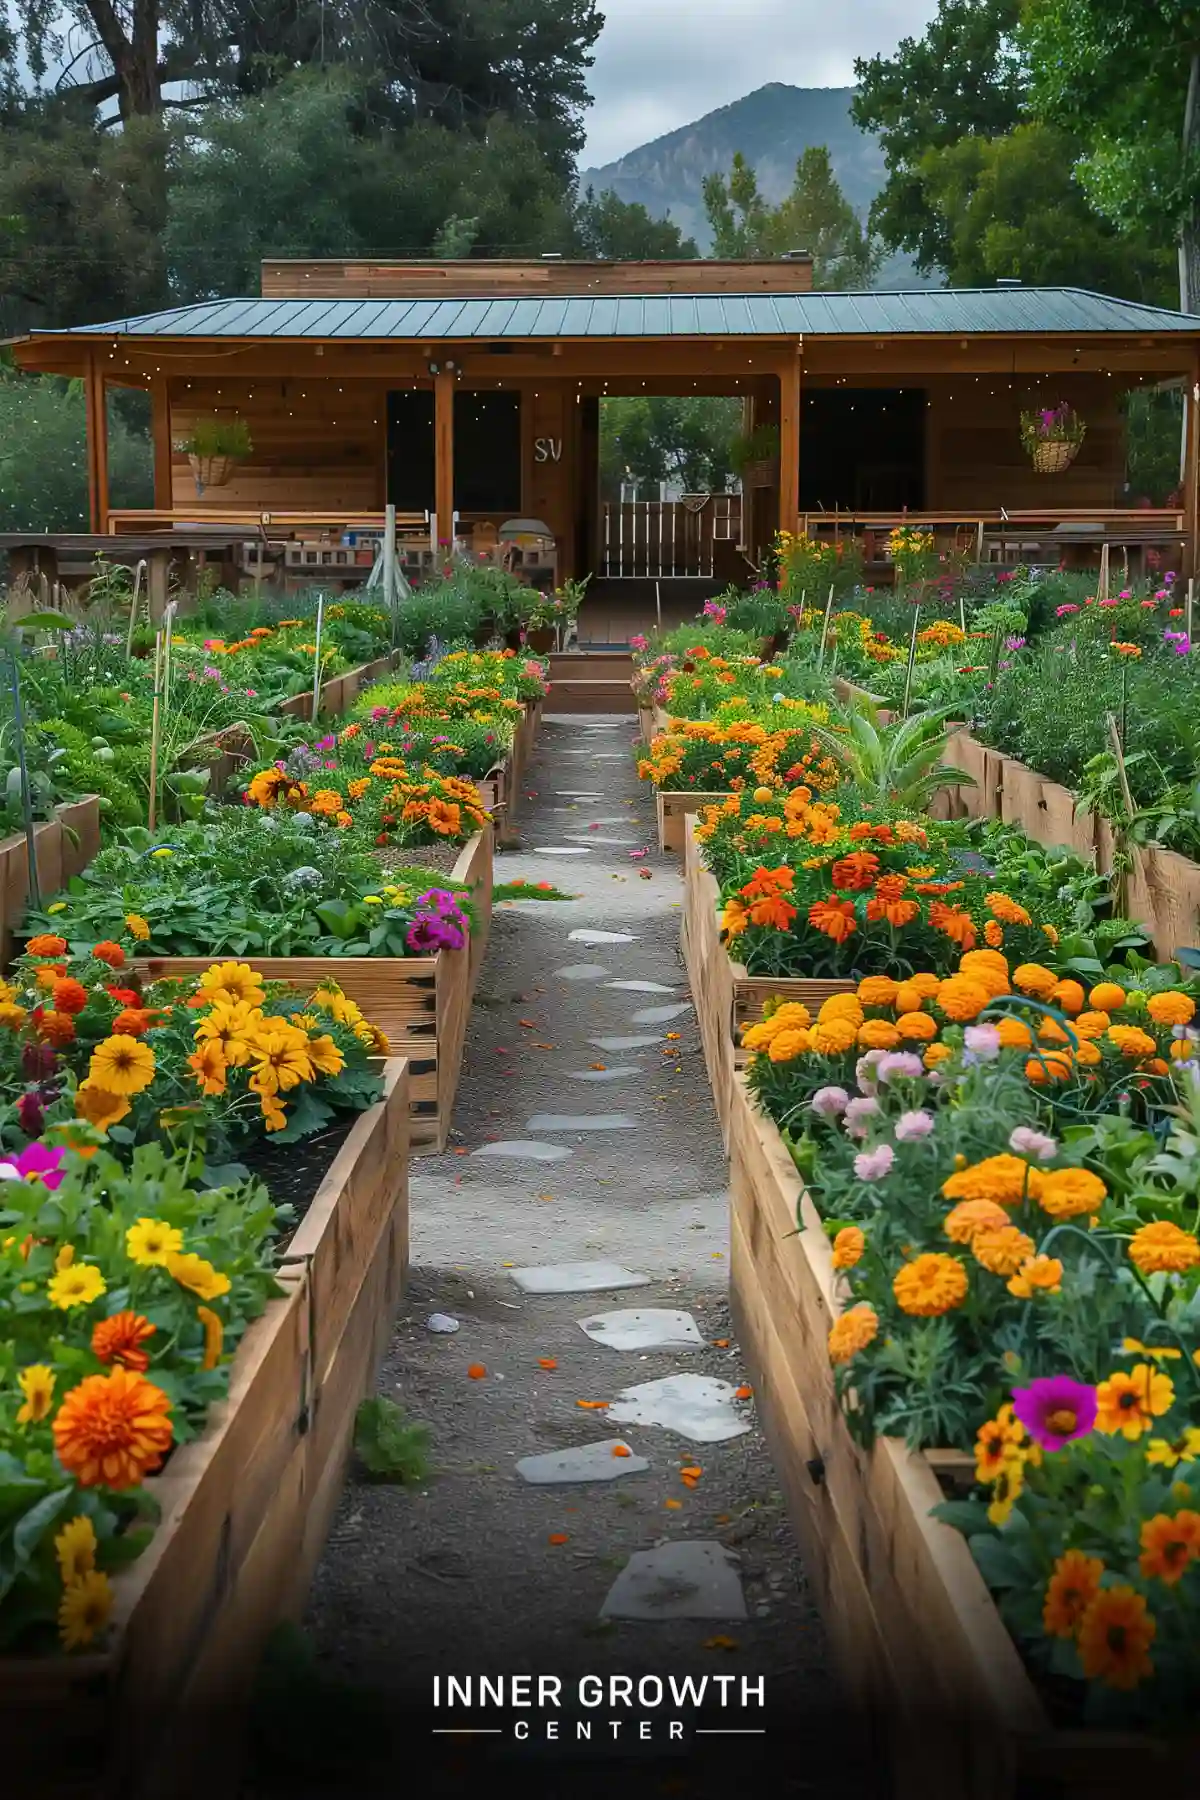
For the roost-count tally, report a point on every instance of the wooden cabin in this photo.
(467, 394)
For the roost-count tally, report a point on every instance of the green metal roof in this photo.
(920, 313)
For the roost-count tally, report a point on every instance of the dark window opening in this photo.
(411, 480)
(487, 452)
(862, 449)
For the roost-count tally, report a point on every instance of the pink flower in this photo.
(895, 1064)
(829, 1102)
(982, 1042)
(35, 1163)
(913, 1125)
(1028, 1142)
(858, 1111)
(638, 642)
(1055, 1410)
(873, 1165)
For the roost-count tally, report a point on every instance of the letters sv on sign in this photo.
(547, 449)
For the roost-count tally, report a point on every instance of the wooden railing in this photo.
(668, 539)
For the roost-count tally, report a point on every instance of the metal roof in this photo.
(924, 312)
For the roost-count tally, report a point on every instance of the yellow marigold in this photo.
(878, 1034)
(1070, 1193)
(1005, 1179)
(1014, 1034)
(84, 1609)
(909, 998)
(930, 1285)
(793, 1041)
(137, 927)
(1171, 1008)
(1069, 996)
(1091, 1024)
(1132, 1042)
(1039, 1275)
(848, 1247)
(841, 1006)
(1006, 910)
(1164, 1247)
(916, 1027)
(935, 1054)
(1002, 1251)
(1107, 997)
(833, 1037)
(856, 1328)
(988, 968)
(966, 1220)
(758, 1037)
(1051, 1066)
(962, 999)
(877, 990)
(1035, 979)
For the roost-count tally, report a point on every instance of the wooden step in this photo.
(591, 665)
(591, 696)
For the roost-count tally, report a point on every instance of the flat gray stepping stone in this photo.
(693, 1406)
(688, 1580)
(585, 1462)
(624, 1043)
(570, 794)
(584, 936)
(581, 1122)
(519, 1148)
(593, 837)
(558, 850)
(643, 1328)
(659, 1015)
(614, 819)
(581, 972)
(577, 1278)
(640, 987)
(621, 1074)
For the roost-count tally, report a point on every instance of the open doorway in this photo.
(669, 506)
(862, 450)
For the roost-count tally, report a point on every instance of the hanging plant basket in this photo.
(214, 448)
(762, 474)
(211, 471)
(1053, 455)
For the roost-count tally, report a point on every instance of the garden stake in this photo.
(316, 690)
(1191, 596)
(962, 614)
(1102, 585)
(1130, 856)
(824, 628)
(152, 809)
(14, 682)
(138, 572)
(912, 657)
(390, 594)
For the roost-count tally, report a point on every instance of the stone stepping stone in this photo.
(643, 1328)
(581, 972)
(592, 837)
(617, 819)
(660, 1015)
(584, 936)
(577, 1278)
(693, 1406)
(640, 987)
(621, 1074)
(623, 1043)
(567, 794)
(585, 1462)
(520, 1149)
(688, 1580)
(581, 1122)
(559, 850)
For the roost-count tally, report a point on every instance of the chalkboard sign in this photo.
(411, 480)
(487, 452)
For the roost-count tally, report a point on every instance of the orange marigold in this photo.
(1171, 1008)
(1070, 1193)
(961, 998)
(108, 952)
(877, 990)
(930, 1285)
(1006, 910)
(1035, 979)
(957, 925)
(856, 1328)
(69, 995)
(1070, 996)
(113, 1430)
(848, 1247)
(835, 918)
(966, 1220)
(1132, 1042)
(916, 1027)
(988, 968)
(1039, 1275)
(1005, 1179)
(46, 944)
(118, 1340)
(1014, 1034)
(878, 1034)
(993, 934)
(132, 1021)
(54, 1027)
(897, 913)
(1163, 1246)
(833, 1037)
(1002, 1251)
(1052, 1065)
(855, 872)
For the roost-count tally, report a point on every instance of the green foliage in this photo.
(651, 439)
(43, 456)
(388, 1444)
(217, 437)
(897, 765)
(611, 229)
(815, 216)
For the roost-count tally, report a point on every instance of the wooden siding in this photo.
(500, 279)
(317, 444)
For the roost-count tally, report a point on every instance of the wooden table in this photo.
(180, 551)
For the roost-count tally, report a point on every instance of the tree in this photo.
(962, 79)
(43, 456)
(648, 439)
(815, 216)
(611, 229)
(1124, 77)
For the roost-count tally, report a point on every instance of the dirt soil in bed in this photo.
(473, 1570)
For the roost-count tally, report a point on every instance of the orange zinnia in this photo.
(957, 924)
(45, 945)
(132, 1021)
(54, 1027)
(110, 953)
(856, 871)
(69, 995)
(772, 909)
(834, 917)
(113, 1430)
(1169, 1545)
(116, 1340)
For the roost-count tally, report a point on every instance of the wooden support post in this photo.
(97, 444)
(789, 444)
(160, 433)
(443, 438)
(1191, 468)
(158, 583)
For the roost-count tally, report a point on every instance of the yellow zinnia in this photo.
(75, 1547)
(151, 1241)
(122, 1065)
(281, 1061)
(78, 1285)
(84, 1609)
(36, 1382)
(231, 982)
(193, 1272)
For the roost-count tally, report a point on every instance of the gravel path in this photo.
(476, 1571)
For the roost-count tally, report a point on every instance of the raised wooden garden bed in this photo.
(727, 998)
(64, 846)
(338, 694)
(673, 809)
(913, 1627)
(421, 1003)
(245, 1512)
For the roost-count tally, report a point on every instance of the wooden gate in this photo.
(668, 539)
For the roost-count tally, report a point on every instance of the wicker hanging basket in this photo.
(762, 474)
(211, 471)
(1053, 455)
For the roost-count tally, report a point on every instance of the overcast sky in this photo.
(663, 63)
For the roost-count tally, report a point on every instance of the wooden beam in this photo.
(1191, 470)
(97, 444)
(160, 432)
(443, 438)
(789, 444)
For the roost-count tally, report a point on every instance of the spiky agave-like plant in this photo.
(898, 764)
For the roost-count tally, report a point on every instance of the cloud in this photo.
(663, 63)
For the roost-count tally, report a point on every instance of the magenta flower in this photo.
(430, 933)
(1055, 1410)
(35, 1163)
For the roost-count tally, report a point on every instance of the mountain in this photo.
(771, 127)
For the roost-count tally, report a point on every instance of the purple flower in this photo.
(441, 900)
(895, 1065)
(38, 1061)
(873, 1165)
(31, 1114)
(1015, 643)
(325, 743)
(857, 1113)
(1028, 1142)
(1055, 1410)
(429, 932)
(35, 1163)
(913, 1125)
(830, 1102)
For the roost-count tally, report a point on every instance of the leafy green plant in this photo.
(896, 765)
(216, 437)
(389, 1445)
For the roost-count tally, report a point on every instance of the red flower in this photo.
(69, 996)
(124, 996)
(856, 871)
